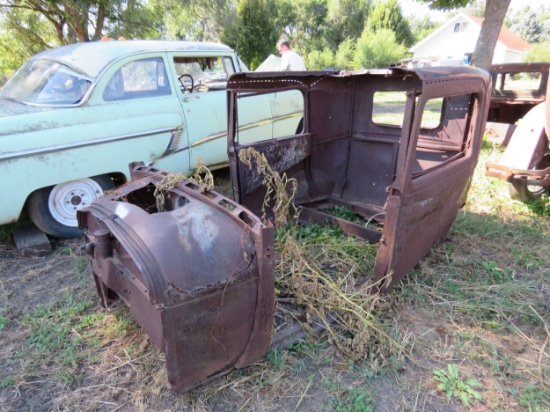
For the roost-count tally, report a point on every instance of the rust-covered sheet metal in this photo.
(411, 177)
(525, 163)
(510, 102)
(195, 269)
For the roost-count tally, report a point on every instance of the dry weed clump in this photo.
(202, 176)
(324, 283)
(280, 190)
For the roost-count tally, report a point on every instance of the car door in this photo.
(433, 183)
(136, 106)
(202, 92)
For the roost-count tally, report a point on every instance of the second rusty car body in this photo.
(517, 88)
(525, 164)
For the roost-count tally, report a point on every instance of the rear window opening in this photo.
(389, 110)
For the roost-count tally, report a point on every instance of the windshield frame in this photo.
(47, 82)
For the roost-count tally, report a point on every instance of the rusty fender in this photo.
(195, 269)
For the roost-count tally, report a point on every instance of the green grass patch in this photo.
(62, 335)
(3, 322)
(453, 385)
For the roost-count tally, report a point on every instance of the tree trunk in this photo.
(495, 10)
(100, 21)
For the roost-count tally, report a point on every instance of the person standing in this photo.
(291, 61)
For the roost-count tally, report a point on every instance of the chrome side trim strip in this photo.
(59, 148)
(247, 127)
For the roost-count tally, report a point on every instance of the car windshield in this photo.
(46, 82)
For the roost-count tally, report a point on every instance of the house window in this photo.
(456, 28)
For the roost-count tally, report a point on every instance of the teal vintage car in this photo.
(73, 118)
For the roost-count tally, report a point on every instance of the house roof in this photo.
(506, 36)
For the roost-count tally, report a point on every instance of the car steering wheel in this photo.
(184, 80)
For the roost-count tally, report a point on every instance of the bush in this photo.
(378, 50)
(538, 53)
(317, 60)
(344, 55)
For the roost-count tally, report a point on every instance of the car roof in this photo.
(91, 58)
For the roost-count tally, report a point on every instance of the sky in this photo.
(412, 7)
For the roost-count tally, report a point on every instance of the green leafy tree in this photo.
(30, 26)
(254, 35)
(538, 53)
(495, 12)
(378, 49)
(198, 20)
(307, 28)
(531, 25)
(421, 27)
(88, 20)
(345, 53)
(345, 19)
(388, 15)
(317, 60)
(23, 33)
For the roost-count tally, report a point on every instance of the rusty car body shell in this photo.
(197, 275)
(196, 268)
(411, 179)
(508, 105)
(525, 163)
(511, 101)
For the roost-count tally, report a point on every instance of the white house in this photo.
(454, 42)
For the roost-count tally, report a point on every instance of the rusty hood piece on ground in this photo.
(368, 144)
(197, 276)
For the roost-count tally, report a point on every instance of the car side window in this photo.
(203, 74)
(138, 79)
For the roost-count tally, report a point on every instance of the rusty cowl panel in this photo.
(197, 276)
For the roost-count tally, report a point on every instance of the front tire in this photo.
(53, 209)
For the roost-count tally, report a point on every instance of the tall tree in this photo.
(254, 34)
(346, 19)
(87, 20)
(30, 26)
(306, 27)
(198, 20)
(422, 26)
(532, 25)
(495, 11)
(388, 15)
(22, 34)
